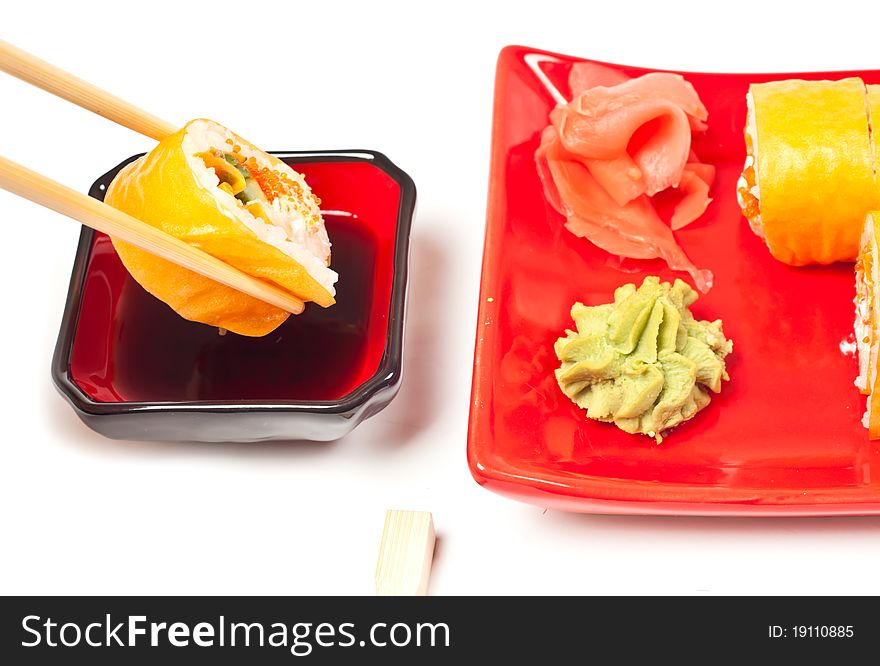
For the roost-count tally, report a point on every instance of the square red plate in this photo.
(784, 436)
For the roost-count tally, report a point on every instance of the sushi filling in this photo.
(748, 193)
(866, 319)
(238, 181)
(264, 194)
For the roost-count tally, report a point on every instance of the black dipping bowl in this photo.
(133, 369)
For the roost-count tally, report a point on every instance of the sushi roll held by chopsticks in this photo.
(207, 222)
(212, 189)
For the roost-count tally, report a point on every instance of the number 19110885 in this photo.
(811, 631)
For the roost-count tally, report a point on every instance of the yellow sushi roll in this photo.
(809, 177)
(874, 120)
(867, 317)
(211, 188)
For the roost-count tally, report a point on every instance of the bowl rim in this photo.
(387, 375)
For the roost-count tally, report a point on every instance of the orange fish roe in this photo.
(273, 183)
(865, 287)
(751, 206)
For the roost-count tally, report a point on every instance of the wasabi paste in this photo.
(642, 362)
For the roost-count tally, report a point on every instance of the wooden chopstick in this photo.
(50, 78)
(106, 219)
(406, 553)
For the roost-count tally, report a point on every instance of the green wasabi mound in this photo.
(642, 362)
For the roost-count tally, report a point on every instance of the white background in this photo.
(83, 514)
